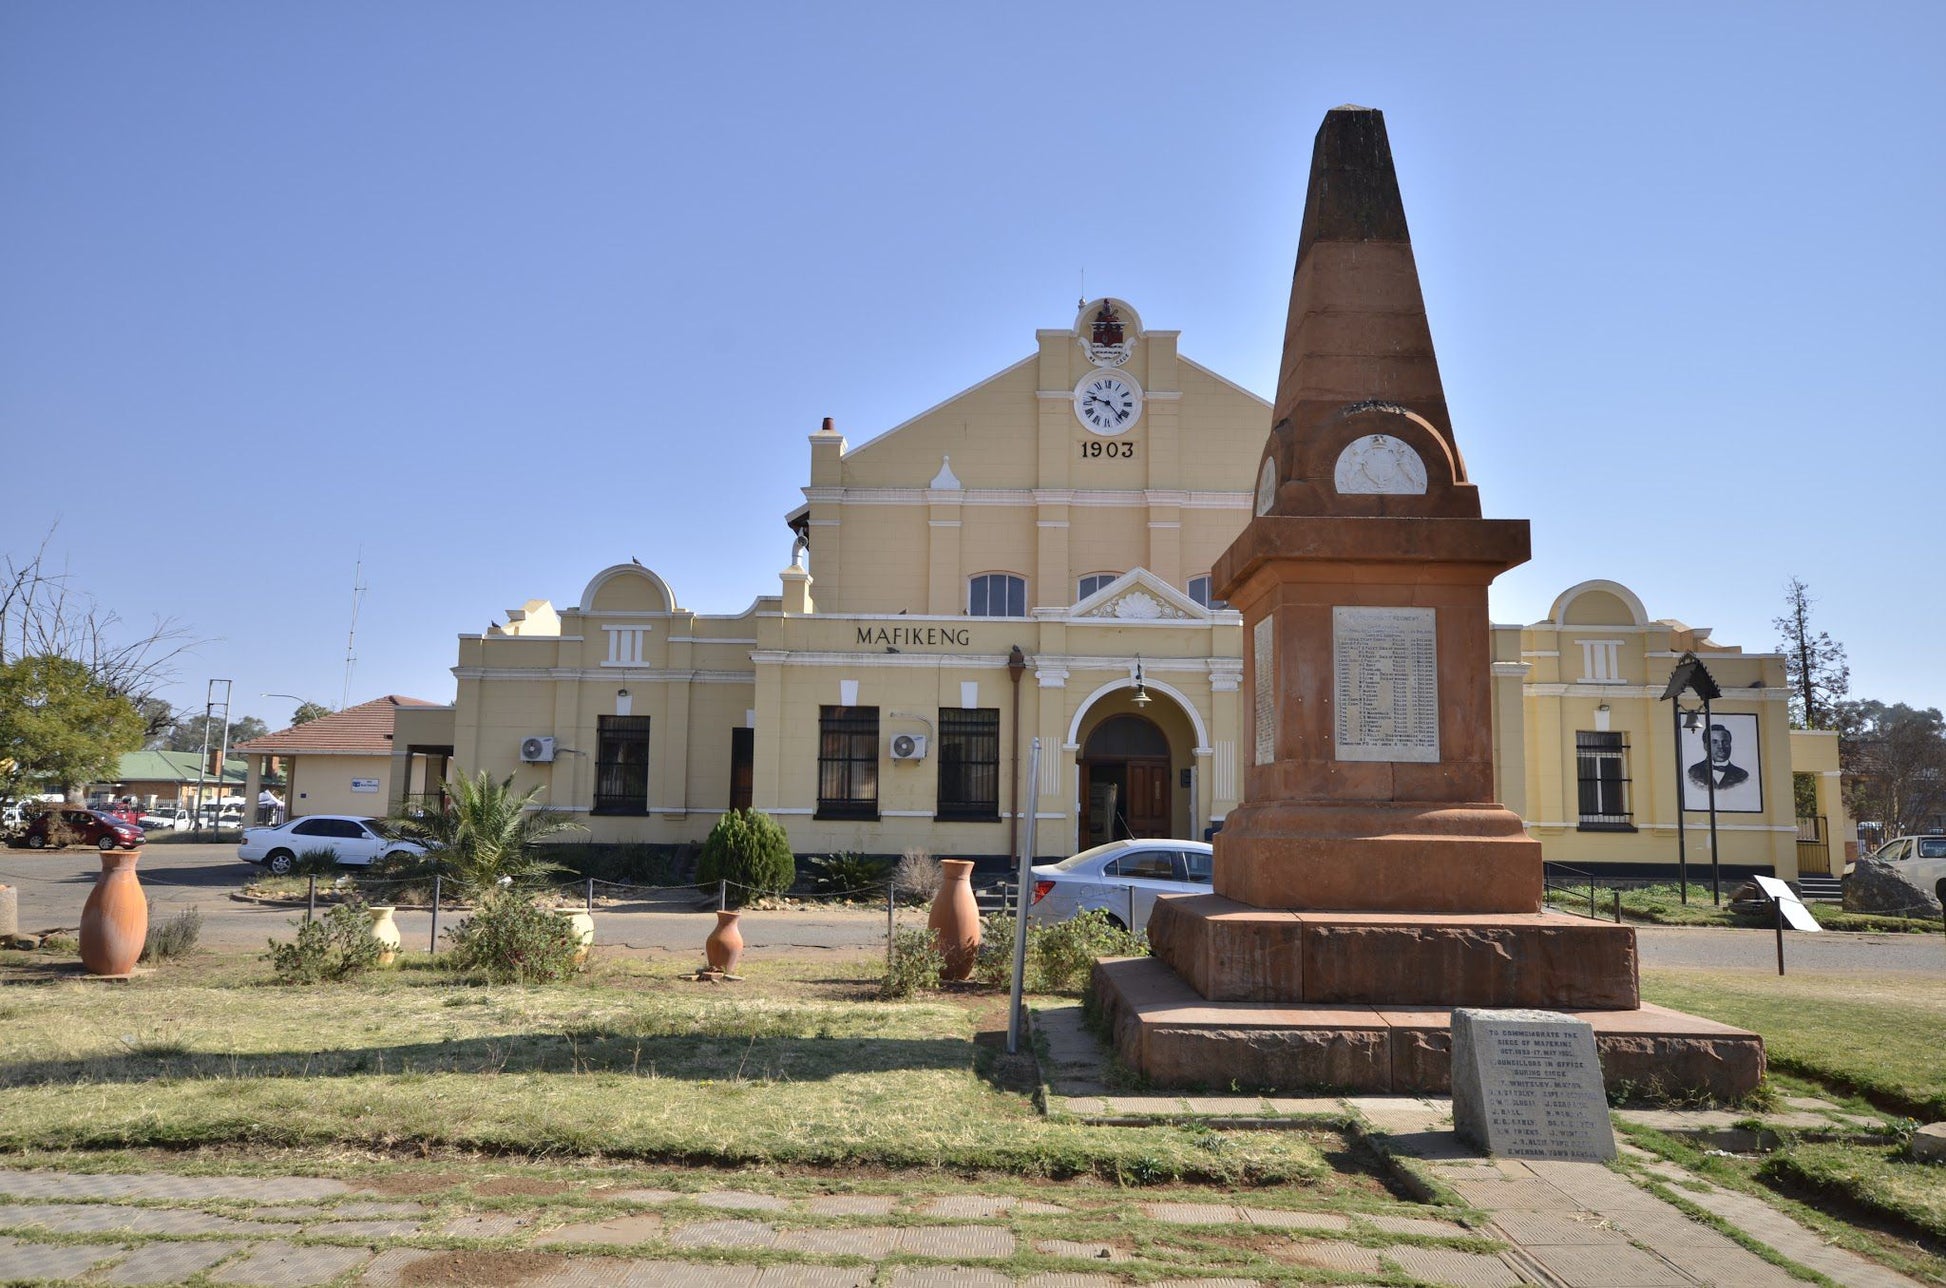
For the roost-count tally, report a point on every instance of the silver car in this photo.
(1122, 879)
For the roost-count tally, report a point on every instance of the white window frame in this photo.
(982, 576)
(1101, 580)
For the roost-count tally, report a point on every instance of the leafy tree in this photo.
(1894, 760)
(1815, 664)
(188, 732)
(308, 712)
(60, 726)
(486, 833)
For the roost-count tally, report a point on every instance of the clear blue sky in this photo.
(501, 294)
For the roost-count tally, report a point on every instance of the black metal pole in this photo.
(1778, 904)
(1682, 847)
(432, 942)
(311, 900)
(1709, 764)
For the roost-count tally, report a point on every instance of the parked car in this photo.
(83, 827)
(1921, 860)
(355, 841)
(166, 818)
(1122, 879)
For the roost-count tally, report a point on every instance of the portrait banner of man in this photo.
(1727, 752)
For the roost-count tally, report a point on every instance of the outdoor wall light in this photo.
(1141, 698)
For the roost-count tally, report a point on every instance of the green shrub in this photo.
(916, 963)
(1061, 956)
(994, 967)
(512, 940)
(174, 938)
(749, 851)
(318, 862)
(853, 874)
(336, 946)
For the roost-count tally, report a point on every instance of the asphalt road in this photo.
(53, 885)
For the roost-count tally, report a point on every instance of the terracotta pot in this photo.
(724, 947)
(583, 927)
(955, 918)
(115, 920)
(385, 930)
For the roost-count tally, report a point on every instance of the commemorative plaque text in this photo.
(1527, 1084)
(1385, 677)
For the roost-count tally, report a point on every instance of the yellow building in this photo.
(1599, 755)
(1028, 559)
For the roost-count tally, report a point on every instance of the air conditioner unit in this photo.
(909, 746)
(537, 750)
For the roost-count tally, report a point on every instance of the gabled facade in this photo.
(1069, 507)
(1003, 567)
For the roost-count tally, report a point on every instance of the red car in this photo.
(83, 827)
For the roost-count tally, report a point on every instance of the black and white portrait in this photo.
(1726, 753)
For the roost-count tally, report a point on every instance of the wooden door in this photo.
(1148, 798)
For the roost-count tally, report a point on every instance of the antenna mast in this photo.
(351, 636)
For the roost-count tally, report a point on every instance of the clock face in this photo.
(1108, 404)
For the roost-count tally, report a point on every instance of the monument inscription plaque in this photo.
(1527, 1084)
(1263, 663)
(1385, 677)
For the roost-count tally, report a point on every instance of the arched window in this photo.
(1093, 582)
(1199, 590)
(997, 594)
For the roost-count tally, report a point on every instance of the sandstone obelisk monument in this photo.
(1369, 881)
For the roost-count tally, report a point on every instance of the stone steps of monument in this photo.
(1821, 889)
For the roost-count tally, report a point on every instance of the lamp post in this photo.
(1692, 676)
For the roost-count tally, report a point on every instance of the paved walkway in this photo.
(1579, 1225)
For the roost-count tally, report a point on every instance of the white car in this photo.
(165, 818)
(355, 841)
(1122, 879)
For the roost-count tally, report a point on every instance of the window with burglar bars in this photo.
(621, 765)
(969, 764)
(1602, 767)
(848, 762)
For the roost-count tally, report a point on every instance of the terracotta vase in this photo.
(115, 920)
(955, 918)
(583, 927)
(724, 947)
(385, 930)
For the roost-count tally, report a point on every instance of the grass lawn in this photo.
(797, 1066)
(1878, 1036)
(1662, 905)
(1872, 1037)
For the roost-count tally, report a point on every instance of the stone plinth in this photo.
(1233, 952)
(1379, 856)
(1177, 1038)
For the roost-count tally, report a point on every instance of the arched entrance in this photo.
(1125, 781)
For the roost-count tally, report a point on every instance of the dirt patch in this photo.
(486, 1269)
(409, 1184)
(520, 1187)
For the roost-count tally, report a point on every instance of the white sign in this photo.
(364, 784)
(1786, 899)
(1385, 668)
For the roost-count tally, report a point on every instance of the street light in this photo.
(1692, 676)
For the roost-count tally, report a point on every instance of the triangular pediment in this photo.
(1138, 595)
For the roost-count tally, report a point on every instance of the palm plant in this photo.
(485, 835)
